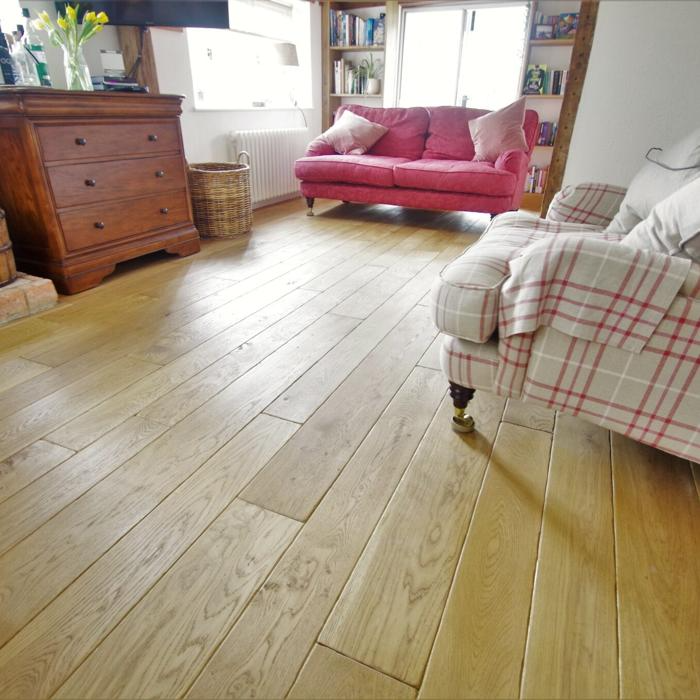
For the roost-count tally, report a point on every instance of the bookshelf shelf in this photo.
(532, 201)
(551, 42)
(373, 49)
(543, 53)
(542, 145)
(353, 94)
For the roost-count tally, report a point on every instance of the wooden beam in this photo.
(574, 87)
(130, 43)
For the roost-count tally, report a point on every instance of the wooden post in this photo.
(130, 39)
(574, 87)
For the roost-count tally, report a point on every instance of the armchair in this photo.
(561, 313)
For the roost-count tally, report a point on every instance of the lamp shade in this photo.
(287, 54)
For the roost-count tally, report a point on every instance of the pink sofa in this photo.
(424, 161)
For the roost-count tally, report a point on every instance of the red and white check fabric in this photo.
(465, 299)
(474, 365)
(587, 203)
(590, 289)
(652, 397)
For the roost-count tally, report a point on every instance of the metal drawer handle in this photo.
(90, 182)
(164, 210)
(99, 224)
(153, 137)
(81, 142)
(160, 173)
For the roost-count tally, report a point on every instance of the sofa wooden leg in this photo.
(461, 396)
(310, 204)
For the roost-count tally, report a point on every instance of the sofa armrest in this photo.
(592, 203)
(513, 161)
(319, 147)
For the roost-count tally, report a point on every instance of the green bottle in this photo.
(35, 48)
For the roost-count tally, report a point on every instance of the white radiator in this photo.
(272, 155)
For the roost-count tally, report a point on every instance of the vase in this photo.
(76, 68)
(374, 86)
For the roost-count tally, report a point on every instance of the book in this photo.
(347, 29)
(567, 25)
(535, 79)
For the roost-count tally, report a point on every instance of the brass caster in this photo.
(462, 423)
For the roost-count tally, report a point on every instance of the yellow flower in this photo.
(39, 25)
(99, 28)
(45, 17)
(71, 13)
(102, 18)
(62, 23)
(89, 17)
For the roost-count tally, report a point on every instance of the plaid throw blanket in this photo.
(590, 289)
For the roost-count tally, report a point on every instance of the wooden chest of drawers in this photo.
(90, 179)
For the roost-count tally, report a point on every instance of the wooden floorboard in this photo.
(657, 526)
(480, 644)
(328, 675)
(572, 645)
(388, 613)
(233, 475)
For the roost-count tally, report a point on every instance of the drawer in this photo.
(105, 223)
(80, 140)
(86, 183)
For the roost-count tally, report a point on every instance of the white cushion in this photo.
(654, 183)
(465, 299)
(353, 135)
(499, 131)
(673, 226)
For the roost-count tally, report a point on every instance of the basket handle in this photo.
(247, 155)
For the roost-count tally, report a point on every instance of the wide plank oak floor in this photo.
(233, 476)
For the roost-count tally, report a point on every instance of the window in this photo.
(478, 62)
(264, 61)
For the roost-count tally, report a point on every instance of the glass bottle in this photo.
(7, 65)
(34, 46)
(25, 65)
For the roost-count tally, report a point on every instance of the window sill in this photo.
(252, 109)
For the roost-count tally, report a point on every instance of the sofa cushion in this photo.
(465, 298)
(353, 135)
(449, 137)
(407, 129)
(377, 171)
(455, 176)
(499, 131)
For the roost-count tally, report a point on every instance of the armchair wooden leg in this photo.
(310, 204)
(461, 396)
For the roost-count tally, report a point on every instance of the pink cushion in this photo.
(449, 137)
(377, 171)
(465, 176)
(353, 135)
(407, 129)
(499, 131)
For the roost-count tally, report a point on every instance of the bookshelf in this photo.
(331, 99)
(556, 54)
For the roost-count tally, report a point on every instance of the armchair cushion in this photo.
(654, 183)
(673, 227)
(588, 203)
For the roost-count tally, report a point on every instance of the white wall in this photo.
(205, 132)
(642, 88)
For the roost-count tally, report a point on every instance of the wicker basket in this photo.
(221, 198)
